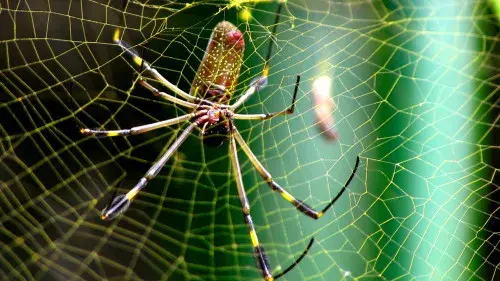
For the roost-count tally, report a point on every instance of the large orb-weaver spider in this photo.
(215, 82)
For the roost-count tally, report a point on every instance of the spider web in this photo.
(415, 85)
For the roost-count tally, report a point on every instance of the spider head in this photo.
(213, 116)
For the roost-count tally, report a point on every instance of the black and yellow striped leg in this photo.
(138, 129)
(260, 255)
(299, 205)
(144, 66)
(121, 202)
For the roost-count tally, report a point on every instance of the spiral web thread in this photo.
(415, 88)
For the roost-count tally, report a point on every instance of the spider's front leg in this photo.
(146, 67)
(260, 82)
(259, 253)
(166, 96)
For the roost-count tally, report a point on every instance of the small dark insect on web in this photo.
(209, 97)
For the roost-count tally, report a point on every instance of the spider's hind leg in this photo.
(259, 253)
(298, 204)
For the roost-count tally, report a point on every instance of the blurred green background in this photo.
(415, 86)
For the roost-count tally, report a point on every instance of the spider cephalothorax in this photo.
(208, 100)
(214, 122)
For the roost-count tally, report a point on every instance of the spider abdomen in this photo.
(219, 69)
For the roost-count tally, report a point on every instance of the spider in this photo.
(209, 97)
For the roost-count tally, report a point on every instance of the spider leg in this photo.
(259, 253)
(256, 85)
(144, 66)
(270, 50)
(121, 202)
(299, 205)
(166, 96)
(297, 261)
(289, 110)
(260, 82)
(138, 129)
